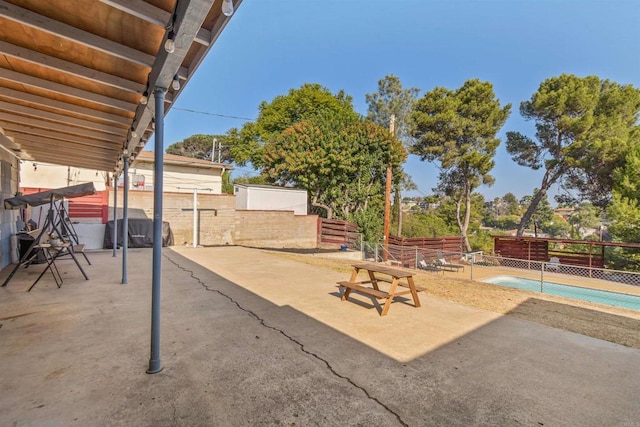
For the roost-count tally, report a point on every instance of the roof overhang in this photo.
(74, 73)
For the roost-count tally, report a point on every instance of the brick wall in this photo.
(276, 229)
(221, 224)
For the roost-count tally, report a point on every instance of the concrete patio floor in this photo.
(250, 338)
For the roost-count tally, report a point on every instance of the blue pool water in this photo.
(593, 295)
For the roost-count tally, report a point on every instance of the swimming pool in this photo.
(585, 294)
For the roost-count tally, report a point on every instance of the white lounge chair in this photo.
(553, 264)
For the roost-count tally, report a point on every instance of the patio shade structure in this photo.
(86, 83)
(77, 76)
(44, 197)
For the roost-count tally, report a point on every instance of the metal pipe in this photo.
(115, 215)
(154, 361)
(196, 229)
(195, 217)
(125, 219)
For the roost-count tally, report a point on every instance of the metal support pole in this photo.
(115, 215)
(154, 361)
(195, 217)
(125, 219)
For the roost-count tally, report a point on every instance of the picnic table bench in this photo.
(380, 273)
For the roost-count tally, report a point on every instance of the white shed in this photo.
(255, 197)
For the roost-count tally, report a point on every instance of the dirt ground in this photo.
(617, 325)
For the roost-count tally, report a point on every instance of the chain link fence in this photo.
(549, 277)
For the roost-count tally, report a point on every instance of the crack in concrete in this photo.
(292, 339)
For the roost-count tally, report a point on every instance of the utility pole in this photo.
(387, 197)
(213, 150)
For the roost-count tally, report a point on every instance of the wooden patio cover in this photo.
(74, 74)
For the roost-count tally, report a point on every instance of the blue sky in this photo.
(272, 46)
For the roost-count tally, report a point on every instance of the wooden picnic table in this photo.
(380, 273)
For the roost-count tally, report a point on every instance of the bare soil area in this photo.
(617, 325)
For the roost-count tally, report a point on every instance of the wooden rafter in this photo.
(72, 74)
(70, 68)
(84, 38)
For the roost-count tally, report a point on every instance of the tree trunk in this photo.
(547, 181)
(463, 224)
(398, 209)
(315, 203)
(467, 218)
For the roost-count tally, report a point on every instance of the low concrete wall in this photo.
(221, 224)
(276, 229)
(216, 215)
(90, 235)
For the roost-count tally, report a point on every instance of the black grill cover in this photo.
(140, 234)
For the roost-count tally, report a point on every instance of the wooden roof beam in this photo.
(64, 160)
(49, 117)
(30, 146)
(12, 121)
(141, 9)
(7, 142)
(64, 106)
(61, 89)
(154, 15)
(70, 68)
(52, 138)
(76, 35)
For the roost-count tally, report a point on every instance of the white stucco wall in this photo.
(180, 176)
(46, 175)
(271, 198)
(241, 197)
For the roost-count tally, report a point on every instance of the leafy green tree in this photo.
(311, 103)
(503, 212)
(585, 216)
(227, 185)
(250, 179)
(392, 99)
(572, 116)
(200, 146)
(426, 225)
(342, 167)
(458, 129)
(512, 206)
(557, 227)
(315, 140)
(507, 222)
(624, 212)
(614, 132)
(543, 213)
(481, 241)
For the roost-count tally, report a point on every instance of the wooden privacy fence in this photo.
(93, 206)
(404, 250)
(333, 234)
(538, 249)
